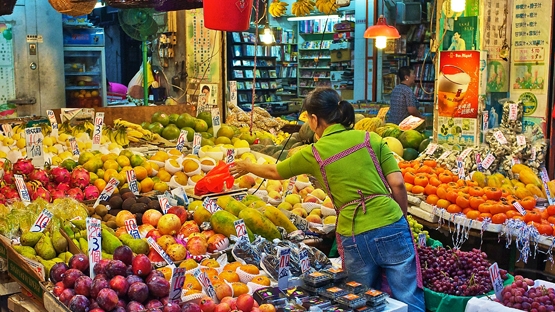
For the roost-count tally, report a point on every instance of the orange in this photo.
(239, 289)
(250, 268)
(232, 266)
(453, 208)
(499, 218)
(141, 173)
(443, 203)
(473, 214)
(110, 173)
(100, 184)
(432, 199)
(222, 290)
(417, 189)
(160, 187)
(164, 175)
(230, 276)
(146, 185)
(261, 280)
(209, 271)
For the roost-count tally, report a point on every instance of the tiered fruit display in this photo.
(524, 294)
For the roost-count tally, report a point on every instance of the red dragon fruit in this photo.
(23, 166)
(63, 187)
(40, 175)
(2, 199)
(8, 177)
(76, 194)
(41, 192)
(80, 177)
(60, 175)
(57, 194)
(91, 192)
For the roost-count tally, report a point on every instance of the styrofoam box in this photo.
(414, 200)
(417, 212)
(461, 219)
(395, 306)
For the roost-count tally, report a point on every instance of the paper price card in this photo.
(33, 141)
(22, 189)
(445, 155)
(97, 133)
(382, 112)
(210, 205)
(479, 162)
(160, 251)
(240, 228)
(284, 254)
(421, 239)
(196, 143)
(74, 147)
(206, 283)
(94, 238)
(176, 284)
(305, 261)
(180, 193)
(519, 207)
(513, 111)
(132, 181)
(460, 167)
(465, 153)
(432, 147)
(229, 156)
(496, 280)
(216, 120)
(488, 161)
(520, 140)
(107, 191)
(290, 186)
(181, 140)
(533, 153)
(485, 120)
(7, 129)
(164, 203)
(53, 122)
(498, 135)
(132, 228)
(233, 92)
(545, 179)
(42, 221)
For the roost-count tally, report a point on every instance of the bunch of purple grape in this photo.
(522, 295)
(456, 272)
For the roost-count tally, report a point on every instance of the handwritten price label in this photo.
(132, 181)
(22, 189)
(460, 166)
(496, 280)
(176, 284)
(97, 134)
(74, 147)
(180, 193)
(132, 228)
(284, 254)
(498, 135)
(210, 205)
(290, 186)
(445, 155)
(94, 237)
(230, 156)
(240, 228)
(488, 161)
(181, 140)
(465, 153)
(545, 179)
(432, 147)
(164, 203)
(42, 221)
(533, 153)
(519, 207)
(233, 92)
(160, 251)
(7, 129)
(513, 111)
(216, 120)
(305, 261)
(520, 140)
(485, 120)
(53, 122)
(33, 141)
(197, 138)
(206, 283)
(421, 239)
(107, 191)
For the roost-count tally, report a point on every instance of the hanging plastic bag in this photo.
(214, 180)
(135, 87)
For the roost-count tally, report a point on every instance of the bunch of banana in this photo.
(278, 8)
(46, 129)
(65, 127)
(134, 131)
(119, 135)
(326, 6)
(302, 7)
(18, 128)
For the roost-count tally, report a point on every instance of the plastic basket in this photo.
(73, 8)
(6, 7)
(129, 4)
(227, 15)
(176, 5)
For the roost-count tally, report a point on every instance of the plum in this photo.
(58, 288)
(79, 262)
(97, 286)
(116, 267)
(66, 296)
(134, 306)
(119, 309)
(119, 285)
(79, 303)
(70, 276)
(132, 279)
(138, 291)
(142, 266)
(124, 254)
(153, 304)
(190, 307)
(107, 299)
(158, 286)
(171, 307)
(83, 286)
(57, 272)
(100, 267)
(153, 274)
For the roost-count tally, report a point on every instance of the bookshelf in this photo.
(287, 65)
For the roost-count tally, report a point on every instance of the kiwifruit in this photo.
(128, 203)
(144, 200)
(124, 190)
(96, 217)
(139, 217)
(115, 202)
(127, 195)
(107, 217)
(114, 212)
(112, 224)
(101, 210)
(90, 210)
(154, 204)
(104, 202)
(137, 208)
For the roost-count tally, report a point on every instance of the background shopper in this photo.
(403, 102)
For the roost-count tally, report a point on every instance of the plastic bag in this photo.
(135, 87)
(214, 181)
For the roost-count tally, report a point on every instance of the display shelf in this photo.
(252, 57)
(89, 73)
(82, 87)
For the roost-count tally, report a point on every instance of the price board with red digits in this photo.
(305, 261)
(240, 228)
(97, 132)
(74, 147)
(94, 237)
(210, 205)
(181, 140)
(132, 228)
(284, 254)
(164, 203)
(160, 251)
(176, 284)
(132, 181)
(53, 122)
(107, 191)
(206, 283)
(230, 156)
(22, 189)
(496, 280)
(42, 221)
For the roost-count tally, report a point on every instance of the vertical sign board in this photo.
(284, 254)
(33, 140)
(95, 243)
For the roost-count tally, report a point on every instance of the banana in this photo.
(277, 8)
(134, 133)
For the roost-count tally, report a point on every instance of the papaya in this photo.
(222, 201)
(411, 138)
(259, 224)
(527, 176)
(522, 192)
(394, 145)
(517, 168)
(279, 219)
(494, 181)
(235, 206)
(535, 190)
(479, 178)
(249, 199)
(223, 223)
(393, 132)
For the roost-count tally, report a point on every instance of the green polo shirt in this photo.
(348, 175)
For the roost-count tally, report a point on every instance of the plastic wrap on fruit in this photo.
(205, 226)
(244, 251)
(511, 117)
(263, 245)
(318, 260)
(270, 265)
(214, 180)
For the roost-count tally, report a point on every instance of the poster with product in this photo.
(461, 86)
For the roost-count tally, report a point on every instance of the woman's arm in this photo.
(267, 171)
(398, 190)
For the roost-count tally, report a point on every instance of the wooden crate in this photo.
(19, 303)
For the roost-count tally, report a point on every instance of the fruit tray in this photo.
(461, 219)
(422, 214)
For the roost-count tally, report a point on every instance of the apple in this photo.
(245, 302)
(246, 181)
(300, 212)
(328, 203)
(311, 199)
(285, 206)
(314, 218)
(275, 195)
(180, 212)
(316, 211)
(293, 199)
(319, 193)
(305, 191)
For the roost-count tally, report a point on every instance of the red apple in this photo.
(245, 302)
(232, 302)
(207, 304)
(155, 234)
(222, 307)
(180, 212)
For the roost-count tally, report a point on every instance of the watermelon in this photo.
(410, 154)
(411, 138)
(424, 145)
(394, 145)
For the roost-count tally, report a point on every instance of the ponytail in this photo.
(328, 105)
(347, 114)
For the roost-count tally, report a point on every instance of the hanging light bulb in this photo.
(381, 32)
(458, 6)
(268, 35)
(381, 42)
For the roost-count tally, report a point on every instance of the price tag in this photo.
(22, 189)
(164, 203)
(545, 179)
(132, 228)
(305, 261)
(421, 239)
(488, 161)
(445, 154)
(515, 161)
(520, 140)
(33, 141)
(465, 153)
(229, 155)
(196, 143)
(485, 120)
(132, 181)
(97, 133)
(176, 284)
(284, 254)
(533, 153)
(181, 140)
(42, 221)
(513, 111)
(432, 147)
(210, 205)
(479, 162)
(94, 238)
(290, 186)
(107, 191)
(382, 112)
(460, 166)
(233, 92)
(180, 193)
(519, 207)
(240, 228)
(53, 122)
(216, 120)
(74, 147)
(500, 137)
(7, 129)
(206, 283)
(171, 199)
(496, 280)
(160, 251)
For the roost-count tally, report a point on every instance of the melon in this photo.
(410, 154)
(411, 138)
(424, 145)
(306, 134)
(394, 145)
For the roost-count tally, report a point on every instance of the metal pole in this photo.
(145, 73)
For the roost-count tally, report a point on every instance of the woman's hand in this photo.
(239, 168)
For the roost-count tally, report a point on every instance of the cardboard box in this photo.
(18, 303)
(341, 55)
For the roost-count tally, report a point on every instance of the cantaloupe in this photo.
(394, 145)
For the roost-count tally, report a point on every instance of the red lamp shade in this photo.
(381, 29)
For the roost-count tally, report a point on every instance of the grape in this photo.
(527, 297)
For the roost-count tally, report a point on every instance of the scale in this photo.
(237, 193)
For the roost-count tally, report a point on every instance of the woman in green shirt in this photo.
(365, 184)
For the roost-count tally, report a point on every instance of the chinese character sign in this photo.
(33, 140)
(95, 242)
(97, 133)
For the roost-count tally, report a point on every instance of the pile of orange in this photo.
(444, 189)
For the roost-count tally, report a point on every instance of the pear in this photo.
(137, 245)
(30, 238)
(24, 249)
(83, 245)
(48, 264)
(59, 242)
(44, 248)
(109, 242)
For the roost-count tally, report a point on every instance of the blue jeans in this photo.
(387, 249)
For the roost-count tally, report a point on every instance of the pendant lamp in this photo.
(458, 6)
(381, 32)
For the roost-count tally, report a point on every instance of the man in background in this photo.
(403, 101)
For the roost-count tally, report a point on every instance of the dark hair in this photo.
(205, 88)
(404, 71)
(327, 105)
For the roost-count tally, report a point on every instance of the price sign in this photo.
(533, 153)
(545, 179)
(132, 181)
(290, 186)
(94, 238)
(513, 111)
(445, 155)
(432, 147)
(42, 221)
(305, 261)
(240, 228)
(520, 140)
(107, 191)
(196, 143)
(53, 122)
(498, 135)
(479, 162)
(7, 129)
(216, 120)
(176, 284)
(181, 140)
(160, 251)
(74, 147)
(233, 92)
(22, 189)
(206, 283)
(496, 280)
(180, 193)
(460, 166)
(515, 161)
(421, 239)
(383, 112)
(33, 141)
(485, 120)
(465, 153)
(519, 207)
(284, 254)
(132, 228)
(488, 161)
(97, 133)
(210, 205)
(164, 203)
(229, 155)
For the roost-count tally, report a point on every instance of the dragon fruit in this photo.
(40, 175)
(80, 177)
(23, 166)
(60, 175)
(41, 192)
(76, 194)
(57, 194)
(63, 187)
(8, 177)
(91, 192)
